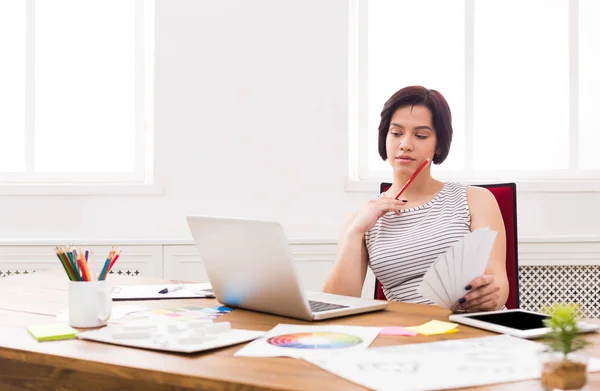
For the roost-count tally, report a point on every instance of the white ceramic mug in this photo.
(90, 303)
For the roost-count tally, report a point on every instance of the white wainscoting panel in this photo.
(182, 262)
(575, 253)
(16, 260)
(144, 261)
(313, 262)
(566, 265)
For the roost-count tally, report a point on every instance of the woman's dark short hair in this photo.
(440, 111)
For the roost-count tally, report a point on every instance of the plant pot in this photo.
(563, 373)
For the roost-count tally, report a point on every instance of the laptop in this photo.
(249, 265)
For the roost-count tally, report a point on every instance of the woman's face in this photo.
(410, 139)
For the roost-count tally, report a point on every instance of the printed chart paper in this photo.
(310, 341)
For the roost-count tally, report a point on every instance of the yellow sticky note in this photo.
(52, 332)
(434, 327)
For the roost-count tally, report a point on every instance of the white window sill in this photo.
(80, 189)
(523, 186)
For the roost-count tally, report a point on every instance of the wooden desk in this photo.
(26, 364)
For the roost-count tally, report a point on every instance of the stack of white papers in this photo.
(444, 283)
(440, 365)
(172, 335)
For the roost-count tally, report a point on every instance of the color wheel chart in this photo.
(315, 340)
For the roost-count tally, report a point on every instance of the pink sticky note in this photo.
(396, 330)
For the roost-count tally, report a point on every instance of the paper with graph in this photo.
(444, 282)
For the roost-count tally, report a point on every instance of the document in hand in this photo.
(444, 282)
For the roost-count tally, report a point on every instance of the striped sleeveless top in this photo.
(402, 248)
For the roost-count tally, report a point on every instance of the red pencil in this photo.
(112, 262)
(412, 178)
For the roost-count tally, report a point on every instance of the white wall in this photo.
(251, 120)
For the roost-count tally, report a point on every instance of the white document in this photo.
(428, 291)
(310, 341)
(170, 335)
(455, 253)
(439, 365)
(444, 282)
(475, 261)
(151, 292)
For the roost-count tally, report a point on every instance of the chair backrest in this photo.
(506, 195)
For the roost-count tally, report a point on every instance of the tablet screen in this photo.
(515, 320)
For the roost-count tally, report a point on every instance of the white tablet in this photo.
(518, 323)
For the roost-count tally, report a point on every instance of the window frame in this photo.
(138, 182)
(361, 178)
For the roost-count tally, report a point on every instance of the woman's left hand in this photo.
(483, 295)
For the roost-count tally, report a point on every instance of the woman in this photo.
(400, 239)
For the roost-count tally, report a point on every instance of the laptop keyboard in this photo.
(319, 306)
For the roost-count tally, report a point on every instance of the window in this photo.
(521, 78)
(76, 96)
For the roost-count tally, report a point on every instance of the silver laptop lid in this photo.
(249, 265)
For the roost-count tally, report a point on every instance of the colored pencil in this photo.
(83, 275)
(84, 267)
(412, 178)
(113, 255)
(103, 272)
(75, 262)
(69, 265)
(69, 255)
(64, 265)
(112, 262)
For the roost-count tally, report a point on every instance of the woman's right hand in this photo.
(367, 217)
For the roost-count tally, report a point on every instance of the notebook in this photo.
(52, 332)
(152, 292)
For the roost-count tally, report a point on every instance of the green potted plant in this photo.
(562, 367)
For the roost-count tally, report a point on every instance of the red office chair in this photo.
(506, 195)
